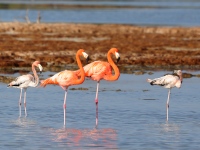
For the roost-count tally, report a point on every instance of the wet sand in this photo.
(55, 45)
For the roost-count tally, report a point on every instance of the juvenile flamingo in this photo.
(99, 70)
(67, 78)
(25, 81)
(168, 81)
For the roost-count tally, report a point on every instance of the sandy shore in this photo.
(55, 45)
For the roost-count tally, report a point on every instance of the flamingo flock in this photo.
(97, 71)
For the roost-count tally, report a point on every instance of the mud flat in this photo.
(55, 45)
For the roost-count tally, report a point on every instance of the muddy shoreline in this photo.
(140, 47)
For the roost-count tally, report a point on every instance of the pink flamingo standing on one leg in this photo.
(67, 78)
(25, 81)
(99, 70)
(168, 81)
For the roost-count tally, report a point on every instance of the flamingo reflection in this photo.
(105, 138)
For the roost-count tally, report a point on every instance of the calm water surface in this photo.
(132, 115)
(151, 12)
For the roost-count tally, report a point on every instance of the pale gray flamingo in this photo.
(25, 81)
(67, 78)
(99, 70)
(168, 81)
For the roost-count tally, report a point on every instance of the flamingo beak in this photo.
(86, 56)
(87, 59)
(118, 59)
(117, 56)
(40, 68)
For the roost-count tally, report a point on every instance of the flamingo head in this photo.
(85, 55)
(37, 64)
(178, 72)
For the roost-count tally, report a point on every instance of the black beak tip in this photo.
(87, 59)
(118, 59)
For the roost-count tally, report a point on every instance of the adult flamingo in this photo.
(168, 81)
(99, 70)
(25, 81)
(67, 78)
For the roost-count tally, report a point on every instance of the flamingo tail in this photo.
(149, 80)
(152, 82)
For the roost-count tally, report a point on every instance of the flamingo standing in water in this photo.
(25, 81)
(67, 78)
(168, 81)
(99, 70)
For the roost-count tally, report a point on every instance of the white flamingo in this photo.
(168, 81)
(25, 81)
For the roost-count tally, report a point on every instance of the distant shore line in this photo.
(46, 5)
(140, 47)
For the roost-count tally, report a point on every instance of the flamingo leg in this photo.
(25, 102)
(96, 101)
(167, 105)
(64, 106)
(96, 115)
(20, 103)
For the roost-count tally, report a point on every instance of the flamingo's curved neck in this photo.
(82, 78)
(115, 68)
(35, 76)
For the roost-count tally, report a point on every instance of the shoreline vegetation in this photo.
(141, 47)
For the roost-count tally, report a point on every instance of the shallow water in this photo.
(132, 115)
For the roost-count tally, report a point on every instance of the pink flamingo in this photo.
(168, 81)
(25, 81)
(99, 70)
(67, 78)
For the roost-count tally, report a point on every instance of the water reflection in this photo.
(23, 122)
(168, 127)
(90, 138)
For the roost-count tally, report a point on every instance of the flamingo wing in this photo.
(22, 81)
(64, 78)
(97, 70)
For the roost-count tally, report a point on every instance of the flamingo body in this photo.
(23, 81)
(98, 70)
(168, 81)
(64, 79)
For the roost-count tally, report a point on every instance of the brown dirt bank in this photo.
(55, 45)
